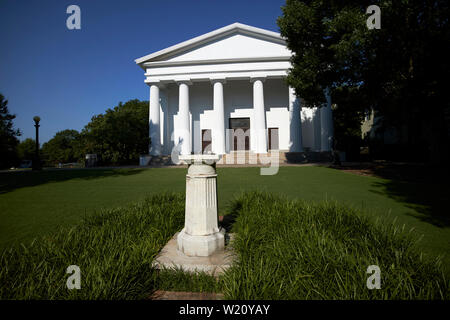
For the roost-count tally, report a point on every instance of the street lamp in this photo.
(37, 161)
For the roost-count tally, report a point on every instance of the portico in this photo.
(225, 91)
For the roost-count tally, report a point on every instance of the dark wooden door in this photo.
(206, 140)
(273, 139)
(241, 133)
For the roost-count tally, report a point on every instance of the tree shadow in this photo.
(231, 213)
(422, 188)
(10, 181)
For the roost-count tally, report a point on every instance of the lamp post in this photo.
(37, 161)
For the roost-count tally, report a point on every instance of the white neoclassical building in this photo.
(207, 91)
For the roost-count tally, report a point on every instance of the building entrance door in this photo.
(273, 139)
(206, 140)
(240, 138)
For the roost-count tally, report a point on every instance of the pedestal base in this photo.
(171, 258)
(201, 246)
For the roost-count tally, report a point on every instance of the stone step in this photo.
(183, 295)
(251, 158)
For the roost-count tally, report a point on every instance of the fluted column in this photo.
(184, 120)
(296, 144)
(218, 130)
(201, 235)
(259, 116)
(326, 123)
(154, 121)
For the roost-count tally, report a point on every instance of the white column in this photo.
(218, 130)
(317, 129)
(165, 132)
(184, 119)
(154, 121)
(259, 116)
(326, 123)
(295, 119)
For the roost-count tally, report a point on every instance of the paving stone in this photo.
(216, 264)
(182, 295)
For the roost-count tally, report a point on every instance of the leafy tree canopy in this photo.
(64, 147)
(26, 149)
(119, 135)
(8, 135)
(400, 70)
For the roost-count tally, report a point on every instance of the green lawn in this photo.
(36, 203)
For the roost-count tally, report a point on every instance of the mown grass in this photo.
(114, 250)
(292, 249)
(285, 249)
(33, 203)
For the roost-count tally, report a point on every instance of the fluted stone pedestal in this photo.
(201, 236)
(200, 245)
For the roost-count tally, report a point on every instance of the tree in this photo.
(62, 148)
(26, 149)
(119, 135)
(8, 136)
(400, 70)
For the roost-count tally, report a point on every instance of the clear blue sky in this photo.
(67, 76)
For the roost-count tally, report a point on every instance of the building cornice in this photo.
(212, 61)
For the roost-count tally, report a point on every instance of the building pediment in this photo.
(235, 42)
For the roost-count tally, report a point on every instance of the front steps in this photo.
(273, 156)
(250, 158)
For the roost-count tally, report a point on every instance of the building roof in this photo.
(210, 37)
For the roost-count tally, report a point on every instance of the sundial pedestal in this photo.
(200, 245)
(201, 236)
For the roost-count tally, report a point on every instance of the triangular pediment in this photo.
(236, 41)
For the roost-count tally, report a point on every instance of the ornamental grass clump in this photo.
(292, 249)
(114, 250)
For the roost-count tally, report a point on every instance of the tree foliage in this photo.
(8, 135)
(400, 70)
(26, 149)
(64, 147)
(119, 135)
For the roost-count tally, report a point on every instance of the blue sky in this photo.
(67, 76)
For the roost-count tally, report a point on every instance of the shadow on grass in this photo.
(422, 188)
(229, 219)
(10, 181)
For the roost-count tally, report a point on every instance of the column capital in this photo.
(261, 78)
(221, 80)
(186, 81)
(157, 83)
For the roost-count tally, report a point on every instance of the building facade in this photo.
(225, 91)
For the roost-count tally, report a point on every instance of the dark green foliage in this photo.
(400, 70)
(26, 149)
(8, 140)
(119, 135)
(114, 250)
(64, 147)
(299, 250)
(347, 118)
